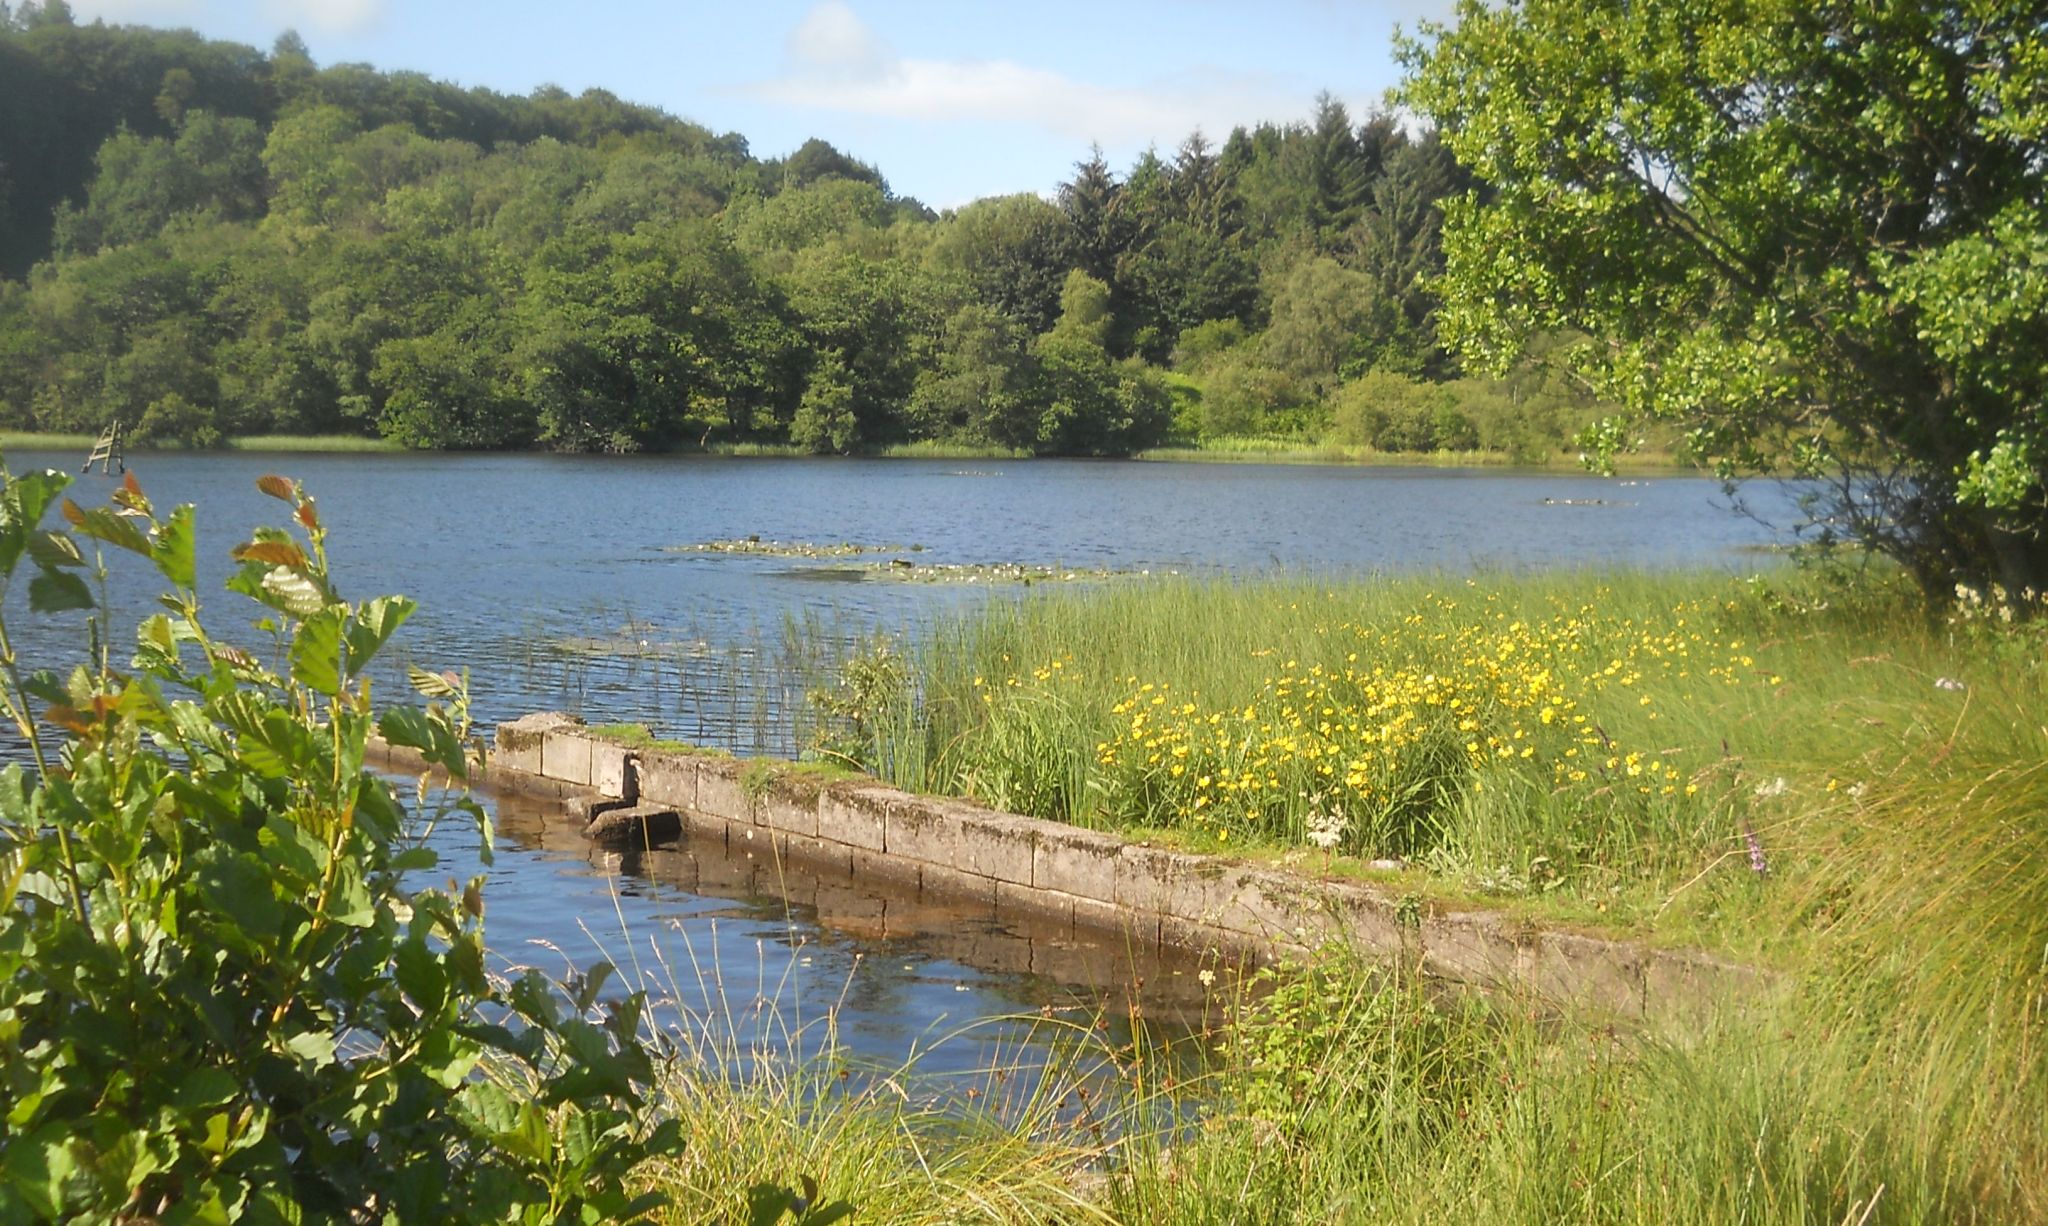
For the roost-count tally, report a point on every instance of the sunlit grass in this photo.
(1868, 822)
(31, 440)
(1295, 450)
(1630, 750)
(311, 443)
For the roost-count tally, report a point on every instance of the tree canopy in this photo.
(200, 240)
(1805, 231)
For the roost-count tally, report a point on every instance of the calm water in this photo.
(556, 582)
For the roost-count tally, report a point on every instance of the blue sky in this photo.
(953, 101)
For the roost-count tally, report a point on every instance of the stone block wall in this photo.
(1098, 880)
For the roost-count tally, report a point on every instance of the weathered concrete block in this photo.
(951, 886)
(855, 815)
(1373, 923)
(587, 808)
(1689, 989)
(1076, 861)
(1280, 907)
(997, 845)
(1147, 879)
(922, 830)
(668, 778)
(814, 855)
(1137, 928)
(517, 743)
(1472, 947)
(1176, 932)
(637, 826)
(1586, 972)
(1049, 907)
(703, 828)
(789, 807)
(872, 866)
(565, 756)
(719, 792)
(609, 769)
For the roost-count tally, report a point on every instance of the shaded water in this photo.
(557, 582)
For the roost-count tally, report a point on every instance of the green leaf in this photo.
(204, 1087)
(316, 650)
(104, 525)
(51, 550)
(421, 975)
(448, 1057)
(176, 550)
(375, 622)
(431, 685)
(293, 592)
(314, 1047)
(38, 1166)
(58, 591)
(22, 503)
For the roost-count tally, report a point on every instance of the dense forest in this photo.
(200, 240)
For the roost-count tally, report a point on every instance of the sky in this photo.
(952, 101)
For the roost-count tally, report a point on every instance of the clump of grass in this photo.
(1644, 751)
(339, 443)
(1298, 450)
(942, 449)
(639, 736)
(34, 440)
(1350, 1095)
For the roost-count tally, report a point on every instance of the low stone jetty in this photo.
(641, 796)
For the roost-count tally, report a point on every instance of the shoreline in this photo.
(1306, 455)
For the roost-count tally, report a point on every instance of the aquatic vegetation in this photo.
(755, 546)
(1005, 572)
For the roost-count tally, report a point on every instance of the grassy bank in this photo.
(1631, 751)
(26, 440)
(1808, 773)
(311, 443)
(1256, 450)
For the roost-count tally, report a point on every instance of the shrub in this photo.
(220, 998)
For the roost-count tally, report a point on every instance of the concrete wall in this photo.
(1099, 881)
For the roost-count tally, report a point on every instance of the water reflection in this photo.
(773, 946)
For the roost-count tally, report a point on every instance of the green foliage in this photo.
(222, 996)
(290, 249)
(1392, 412)
(1801, 231)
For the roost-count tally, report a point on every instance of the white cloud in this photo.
(833, 39)
(117, 12)
(327, 16)
(322, 16)
(836, 62)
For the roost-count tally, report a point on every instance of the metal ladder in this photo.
(107, 452)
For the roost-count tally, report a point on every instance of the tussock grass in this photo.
(1659, 753)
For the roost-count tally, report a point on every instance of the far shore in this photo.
(1236, 451)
